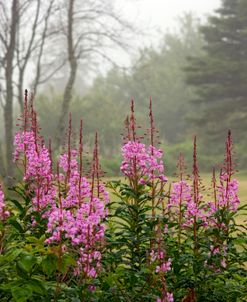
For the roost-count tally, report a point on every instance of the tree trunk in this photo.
(67, 97)
(8, 108)
(20, 90)
(2, 164)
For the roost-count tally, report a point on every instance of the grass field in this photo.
(206, 179)
(242, 178)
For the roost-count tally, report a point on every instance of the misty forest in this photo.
(123, 166)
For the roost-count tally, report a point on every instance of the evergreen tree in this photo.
(219, 75)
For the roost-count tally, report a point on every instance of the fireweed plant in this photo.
(53, 236)
(176, 242)
(62, 239)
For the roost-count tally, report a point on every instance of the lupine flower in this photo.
(228, 188)
(194, 211)
(182, 196)
(159, 256)
(34, 157)
(73, 205)
(223, 263)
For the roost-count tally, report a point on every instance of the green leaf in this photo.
(37, 286)
(21, 293)
(17, 204)
(19, 191)
(49, 264)
(26, 262)
(21, 272)
(10, 256)
(67, 261)
(12, 221)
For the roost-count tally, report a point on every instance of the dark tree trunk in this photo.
(67, 97)
(8, 108)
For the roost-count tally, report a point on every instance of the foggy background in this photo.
(92, 57)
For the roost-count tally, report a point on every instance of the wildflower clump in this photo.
(65, 206)
(62, 238)
(77, 219)
(137, 215)
(175, 245)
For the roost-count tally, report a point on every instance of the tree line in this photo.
(196, 77)
(43, 39)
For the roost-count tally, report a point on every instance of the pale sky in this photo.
(158, 16)
(154, 18)
(162, 14)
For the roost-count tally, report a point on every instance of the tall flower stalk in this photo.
(139, 207)
(196, 197)
(180, 197)
(71, 205)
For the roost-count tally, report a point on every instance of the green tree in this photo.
(219, 74)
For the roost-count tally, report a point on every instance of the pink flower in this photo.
(36, 160)
(79, 216)
(164, 267)
(228, 193)
(92, 288)
(73, 206)
(166, 229)
(180, 194)
(143, 163)
(223, 263)
(168, 297)
(3, 212)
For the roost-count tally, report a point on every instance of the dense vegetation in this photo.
(63, 239)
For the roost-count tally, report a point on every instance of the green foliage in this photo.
(29, 268)
(130, 276)
(218, 75)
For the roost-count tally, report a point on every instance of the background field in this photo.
(206, 181)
